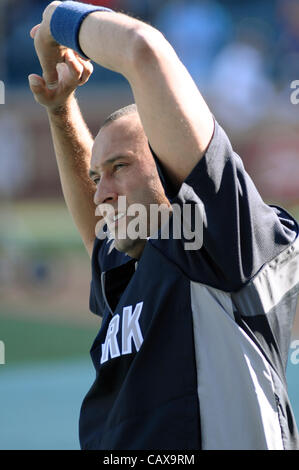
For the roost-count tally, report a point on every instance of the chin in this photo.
(132, 248)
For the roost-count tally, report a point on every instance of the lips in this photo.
(118, 216)
(113, 219)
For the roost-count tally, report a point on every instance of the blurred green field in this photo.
(43, 319)
(47, 224)
(44, 224)
(29, 340)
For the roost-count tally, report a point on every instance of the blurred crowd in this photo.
(254, 41)
(247, 51)
(243, 55)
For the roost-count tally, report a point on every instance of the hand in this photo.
(73, 72)
(49, 52)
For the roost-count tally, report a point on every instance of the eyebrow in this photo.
(108, 162)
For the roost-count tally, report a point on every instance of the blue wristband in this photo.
(66, 22)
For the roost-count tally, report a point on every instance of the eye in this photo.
(96, 180)
(118, 166)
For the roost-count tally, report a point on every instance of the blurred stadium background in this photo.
(244, 56)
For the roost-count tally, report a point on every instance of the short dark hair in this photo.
(130, 109)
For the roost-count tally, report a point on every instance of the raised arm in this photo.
(72, 140)
(175, 117)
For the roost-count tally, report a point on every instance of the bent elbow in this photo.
(148, 45)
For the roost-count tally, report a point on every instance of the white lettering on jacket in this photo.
(131, 333)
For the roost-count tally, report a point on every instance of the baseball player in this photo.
(193, 344)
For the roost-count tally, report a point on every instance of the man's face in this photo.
(122, 165)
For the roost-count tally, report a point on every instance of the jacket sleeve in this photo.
(236, 231)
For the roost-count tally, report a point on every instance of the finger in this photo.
(88, 69)
(51, 80)
(52, 86)
(34, 30)
(80, 58)
(75, 66)
(50, 74)
(78, 55)
(49, 59)
(86, 64)
(37, 84)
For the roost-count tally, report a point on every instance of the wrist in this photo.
(66, 21)
(47, 17)
(64, 108)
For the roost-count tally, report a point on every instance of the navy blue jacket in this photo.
(193, 345)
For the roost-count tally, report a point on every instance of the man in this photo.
(193, 345)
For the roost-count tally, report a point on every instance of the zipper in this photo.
(103, 275)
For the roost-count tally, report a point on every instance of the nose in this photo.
(105, 193)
